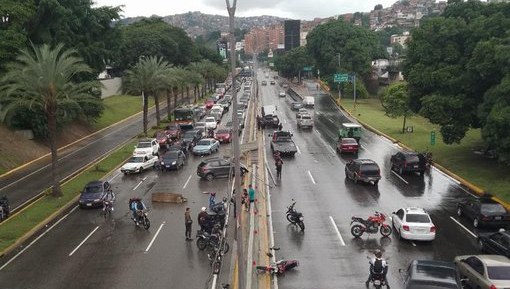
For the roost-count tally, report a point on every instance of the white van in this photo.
(309, 101)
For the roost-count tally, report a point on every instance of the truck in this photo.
(282, 142)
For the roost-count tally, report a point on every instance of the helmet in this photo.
(203, 209)
(378, 253)
(213, 194)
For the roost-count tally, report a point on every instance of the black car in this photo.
(365, 170)
(406, 162)
(93, 193)
(192, 136)
(484, 211)
(212, 168)
(424, 274)
(495, 243)
(172, 160)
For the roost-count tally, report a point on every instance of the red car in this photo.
(163, 138)
(347, 144)
(174, 131)
(209, 103)
(223, 135)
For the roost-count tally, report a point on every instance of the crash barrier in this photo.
(168, 198)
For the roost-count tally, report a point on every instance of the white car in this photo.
(217, 108)
(148, 146)
(210, 122)
(413, 224)
(281, 93)
(138, 163)
(309, 101)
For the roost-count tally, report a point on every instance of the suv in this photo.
(212, 168)
(365, 170)
(147, 146)
(305, 120)
(431, 274)
(404, 162)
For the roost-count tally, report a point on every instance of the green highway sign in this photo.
(307, 68)
(341, 77)
(432, 137)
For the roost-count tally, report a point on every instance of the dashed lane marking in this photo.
(337, 231)
(83, 242)
(311, 177)
(136, 187)
(463, 227)
(189, 178)
(365, 148)
(154, 238)
(401, 178)
(298, 150)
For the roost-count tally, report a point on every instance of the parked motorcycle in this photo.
(142, 219)
(370, 225)
(279, 267)
(4, 208)
(213, 241)
(295, 217)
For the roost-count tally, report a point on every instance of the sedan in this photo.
(301, 111)
(163, 138)
(224, 135)
(495, 243)
(93, 193)
(174, 131)
(206, 146)
(209, 103)
(484, 212)
(191, 137)
(272, 82)
(210, 122)
(347, 145)
(484, 271)
(281, 93)
(296, 105)
(413, 224)
(172, 160)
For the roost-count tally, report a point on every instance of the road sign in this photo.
(307, 68)
(432, 138)
(341, 77)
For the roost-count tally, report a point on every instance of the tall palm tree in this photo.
(42, 79)
(171, 81)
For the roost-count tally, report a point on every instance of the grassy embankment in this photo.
(461, 159)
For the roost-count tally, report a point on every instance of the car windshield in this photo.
(493, 209)
(203, 143)
(210, 119)
(136, 160)
(223, 131)
(172, 127)
(350, 141)
(417, 218)
(171, 155)
(498, 272)
(144, 145)
(93, 189)
(412, 159)
(370, 169)
(306, 117)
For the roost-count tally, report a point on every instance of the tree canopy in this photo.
(292, 63)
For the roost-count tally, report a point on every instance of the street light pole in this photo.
(235, 143)
(339, 94)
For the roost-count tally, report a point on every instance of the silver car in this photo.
(484, 271)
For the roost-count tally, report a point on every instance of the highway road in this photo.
(329, 256)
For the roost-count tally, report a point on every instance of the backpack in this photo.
(378, 266)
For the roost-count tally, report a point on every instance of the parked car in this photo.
(495, 243)
(281, 93)
(431, 274)
(147, 146)
(212, 168)
(406, 162)
(264, 82)
(174, 131)
(163, 138)
(93, 193)
(223, 135)
(364, 170)
(209, 103)
(300, 112)
(484, 271)
(347, 145)
(192, 136)
(172, 160)
(484, 211)
(305, 120)
(296, 105)
(210, 122)
(350, 130)
(413, 224)
(139, 163)
(206, 146)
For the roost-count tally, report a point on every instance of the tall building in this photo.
(292, 34)
(260, 39)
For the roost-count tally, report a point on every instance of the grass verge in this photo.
(119, 107)
(462, 159)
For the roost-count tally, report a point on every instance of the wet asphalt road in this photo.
(315, 178)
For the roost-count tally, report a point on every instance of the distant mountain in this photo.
(197, 23)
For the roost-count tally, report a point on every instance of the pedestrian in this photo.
(280, 126)
(233, 201)
(212, 200)
(203, 219)
(251, 193)
(279, 164)
(187, 222)
(317, 86)
(245, 200)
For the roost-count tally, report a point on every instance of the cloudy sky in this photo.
(295, 9)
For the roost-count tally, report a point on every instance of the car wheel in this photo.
(459, 211)
(140, 170)
(476, 223)
(209, 177)
(376, 182)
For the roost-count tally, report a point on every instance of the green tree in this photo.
(292, 63)
(43, 79)
(361, 90)
(395, 101)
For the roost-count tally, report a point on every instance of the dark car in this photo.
(93, 193)
(430, 274)
(272, 82)
(192, 136)
(296, 105)
(495, 243)
(347, 145)
(174, 131)
(406, 162)
(365, 170)
(163, 138)
(212, 168)
(172, 160)
(484, 211)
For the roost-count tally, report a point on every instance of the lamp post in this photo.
(339, 93)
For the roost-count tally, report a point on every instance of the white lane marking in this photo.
(155, 236)
(136, 187)
(337, 231)
(365, 148)
(37, 239)
(83, 242)
(189, 178)
(118, 174)
(463, 227)
(298, 150)
(412, 243)
(311, 177)
(401, 178)
(325, 143)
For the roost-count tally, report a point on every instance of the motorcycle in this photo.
(371, 225)
(107, 208)
(212, 241)
(279, 267)
(378, 279)
(142, 219)
(4, 208)
(295, 217)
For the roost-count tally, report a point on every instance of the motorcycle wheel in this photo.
(301, 225)
(289, 218)
(385, 231)
(226, 247)
(357, 231)
(146, 223)
(201, 244)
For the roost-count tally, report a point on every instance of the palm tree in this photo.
(171, 81)
(42, 79)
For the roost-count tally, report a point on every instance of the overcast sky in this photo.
(294, 9)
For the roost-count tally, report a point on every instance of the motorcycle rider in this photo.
(212, 200)
(136, 205)
(378, 266)
(108, 197)
(204, 219)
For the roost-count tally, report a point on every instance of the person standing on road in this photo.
(188, 222)
(233, 201)
(251, 193)
(212, 200)
(279, 163)
(203, 219)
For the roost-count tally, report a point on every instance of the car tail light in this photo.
(485, 218)
(433, 229)
(493, 287)
(405, 228)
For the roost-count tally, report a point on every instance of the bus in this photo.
(184, 117)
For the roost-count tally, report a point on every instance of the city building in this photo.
(263, 38)
(401, 39)
(292, 34)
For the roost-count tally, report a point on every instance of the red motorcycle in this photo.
(279, 267)
(371, 225)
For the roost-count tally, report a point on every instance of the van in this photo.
(309, 101)
(268, 110)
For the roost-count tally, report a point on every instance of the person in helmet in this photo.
(203, 219)
(212, 200)
(136, 204)
(378, 266)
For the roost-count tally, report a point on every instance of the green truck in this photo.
(350, 130)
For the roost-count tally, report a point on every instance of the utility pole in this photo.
(235, 143)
